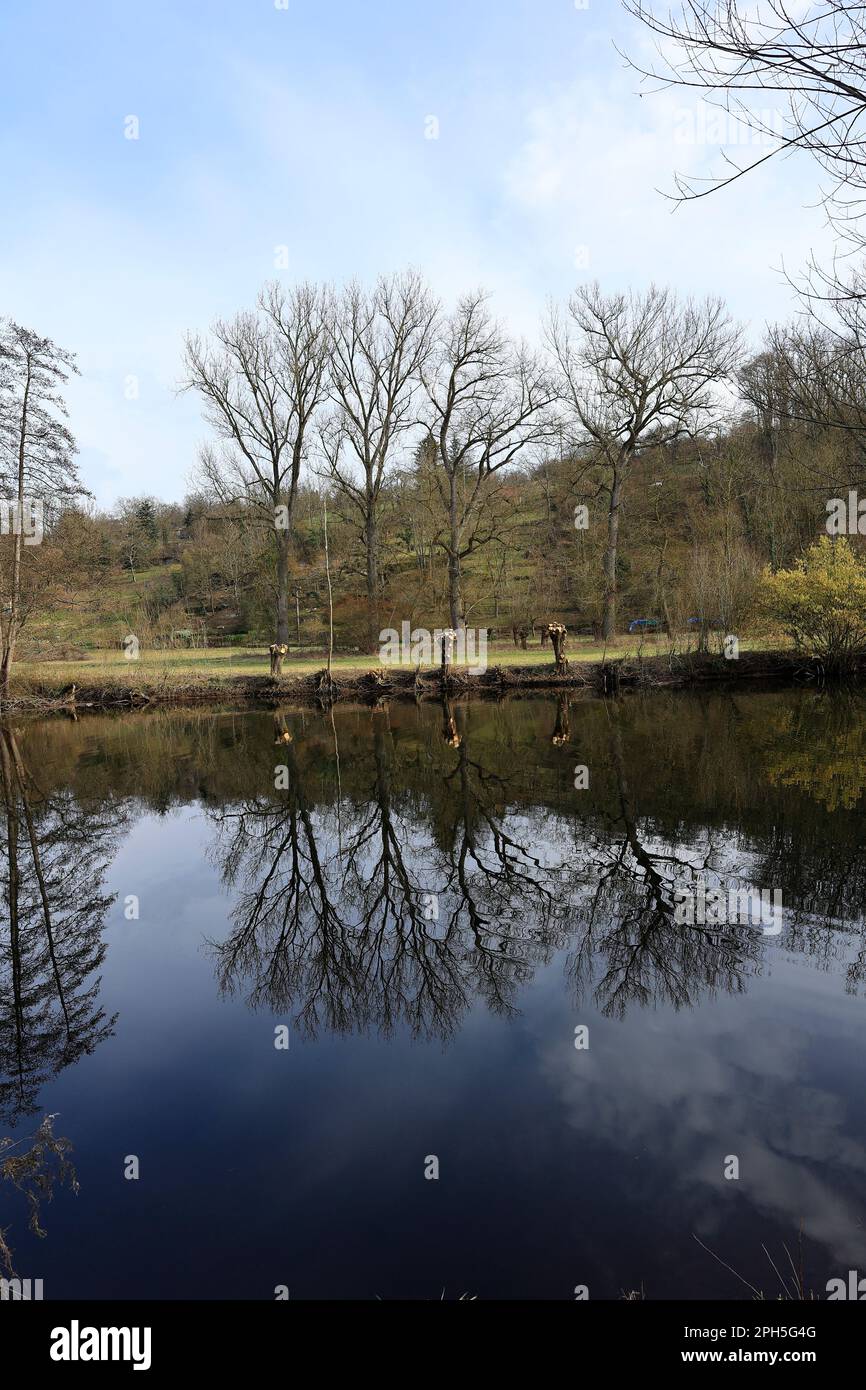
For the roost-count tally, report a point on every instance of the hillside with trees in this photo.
(640, 464)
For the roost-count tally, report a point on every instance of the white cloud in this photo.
(517, 190)
(594, 170)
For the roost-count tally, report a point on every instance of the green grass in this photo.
(212, 665)
(98, 616)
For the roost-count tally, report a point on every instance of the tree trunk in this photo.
(556, 632)
(455, 602)
(447, 654)
(6, 664)
(371, 544)
(608, 626)
(15, 595)
(282, 587)
(277, 653)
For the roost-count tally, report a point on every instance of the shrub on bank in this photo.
(821, 603)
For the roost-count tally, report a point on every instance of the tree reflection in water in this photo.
(427, 902)
(381, 925)
(413, 861)
(51, 946)
(631, 949)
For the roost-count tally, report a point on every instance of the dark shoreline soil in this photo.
(689, 671)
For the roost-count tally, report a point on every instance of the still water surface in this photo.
(432, 902)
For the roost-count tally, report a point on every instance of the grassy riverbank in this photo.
(214, 674)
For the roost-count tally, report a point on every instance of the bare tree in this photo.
(37, 458)
(810, 59)
(262, 378)
(635, 369)
(489, 399)
(764, 384)
(826, 374)
(380, 340)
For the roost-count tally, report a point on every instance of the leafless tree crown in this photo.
(810, 60)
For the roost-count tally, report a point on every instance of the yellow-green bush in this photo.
(821, 602)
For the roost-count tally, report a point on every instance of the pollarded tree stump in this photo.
(278, 652)
(449, 637)
(556, 632)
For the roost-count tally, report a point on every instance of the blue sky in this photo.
(306, 128)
